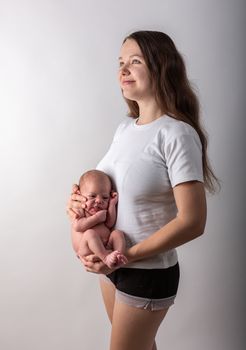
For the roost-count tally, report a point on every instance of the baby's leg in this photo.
(118, 245)
(76, 240)
(92, 244)
(117, 241)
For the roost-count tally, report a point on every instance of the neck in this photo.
(148, 112)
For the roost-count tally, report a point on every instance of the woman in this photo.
(159, 165)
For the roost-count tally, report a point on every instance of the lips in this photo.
(95, 209)
(127, 82)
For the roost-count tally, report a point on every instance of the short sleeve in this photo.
(183, 155)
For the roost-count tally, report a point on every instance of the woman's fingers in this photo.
(90, 266)
(74, 209)
(75, 188)
(73, 205)
(95, 267)
(78, 197)
(72, 214)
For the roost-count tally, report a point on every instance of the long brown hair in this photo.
(172, 89)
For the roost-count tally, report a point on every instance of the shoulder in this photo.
(176, 133)
(173, 128)
(182, 151)
(126, 122)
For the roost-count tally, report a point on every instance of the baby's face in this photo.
(97, 194)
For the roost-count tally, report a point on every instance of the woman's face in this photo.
(134, 77)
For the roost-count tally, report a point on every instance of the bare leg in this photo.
(134, 328)
(117, 244)
(76, 238)
(108, 294)
(91, 243)
(117, 241)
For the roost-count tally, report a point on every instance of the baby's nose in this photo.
(98, 199)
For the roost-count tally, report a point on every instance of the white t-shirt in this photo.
(145, 162)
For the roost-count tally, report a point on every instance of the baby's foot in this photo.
(122, 260)
(115, 259)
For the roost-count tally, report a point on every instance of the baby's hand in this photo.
(101, 215)
(114, 198)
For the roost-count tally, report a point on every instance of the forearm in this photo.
(84, 224)
(170, 236)
(111, 216)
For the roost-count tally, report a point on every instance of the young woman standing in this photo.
(159, 166)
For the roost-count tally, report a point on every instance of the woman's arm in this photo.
(188, 224)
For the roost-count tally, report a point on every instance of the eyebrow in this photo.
(120, 58)
(93, 193)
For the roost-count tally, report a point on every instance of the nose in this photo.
(124, 69)
(98, 199)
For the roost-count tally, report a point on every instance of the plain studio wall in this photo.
(59, 106)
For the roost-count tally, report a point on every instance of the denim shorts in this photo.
(151, 289)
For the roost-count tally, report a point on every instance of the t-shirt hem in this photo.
(149, 266)
(187, 179)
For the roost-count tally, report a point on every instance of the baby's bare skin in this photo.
(91, 232)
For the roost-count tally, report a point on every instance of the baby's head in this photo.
(96, 186)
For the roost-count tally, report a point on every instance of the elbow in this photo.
(193, 228)
(109, 225)
(199, 233)
(198, 224)
(75, 225)
(199, 229)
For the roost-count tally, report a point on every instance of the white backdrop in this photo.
(59, 107)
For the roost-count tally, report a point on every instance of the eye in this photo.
(121, 64)
(105, 198)
(135, 60)
(91, 196)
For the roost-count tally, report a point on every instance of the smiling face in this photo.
(133, 73)
(97, 191)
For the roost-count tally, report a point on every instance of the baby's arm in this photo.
(111, 214)
(84, 223)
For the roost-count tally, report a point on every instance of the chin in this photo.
(130, 97)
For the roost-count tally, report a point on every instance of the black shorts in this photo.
(147, 283)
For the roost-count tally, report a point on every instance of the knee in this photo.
(88, 234)
(117, 233)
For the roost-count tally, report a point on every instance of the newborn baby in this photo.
(91, 232)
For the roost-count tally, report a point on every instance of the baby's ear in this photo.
(113, 194)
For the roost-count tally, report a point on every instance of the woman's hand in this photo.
(95, 265)
(76, 204)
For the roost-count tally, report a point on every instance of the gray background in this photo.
(60, 105)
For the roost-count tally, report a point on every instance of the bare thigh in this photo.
(134, 328)
(108, 294)
(117, 241)
(93, 241)
(129, 323)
